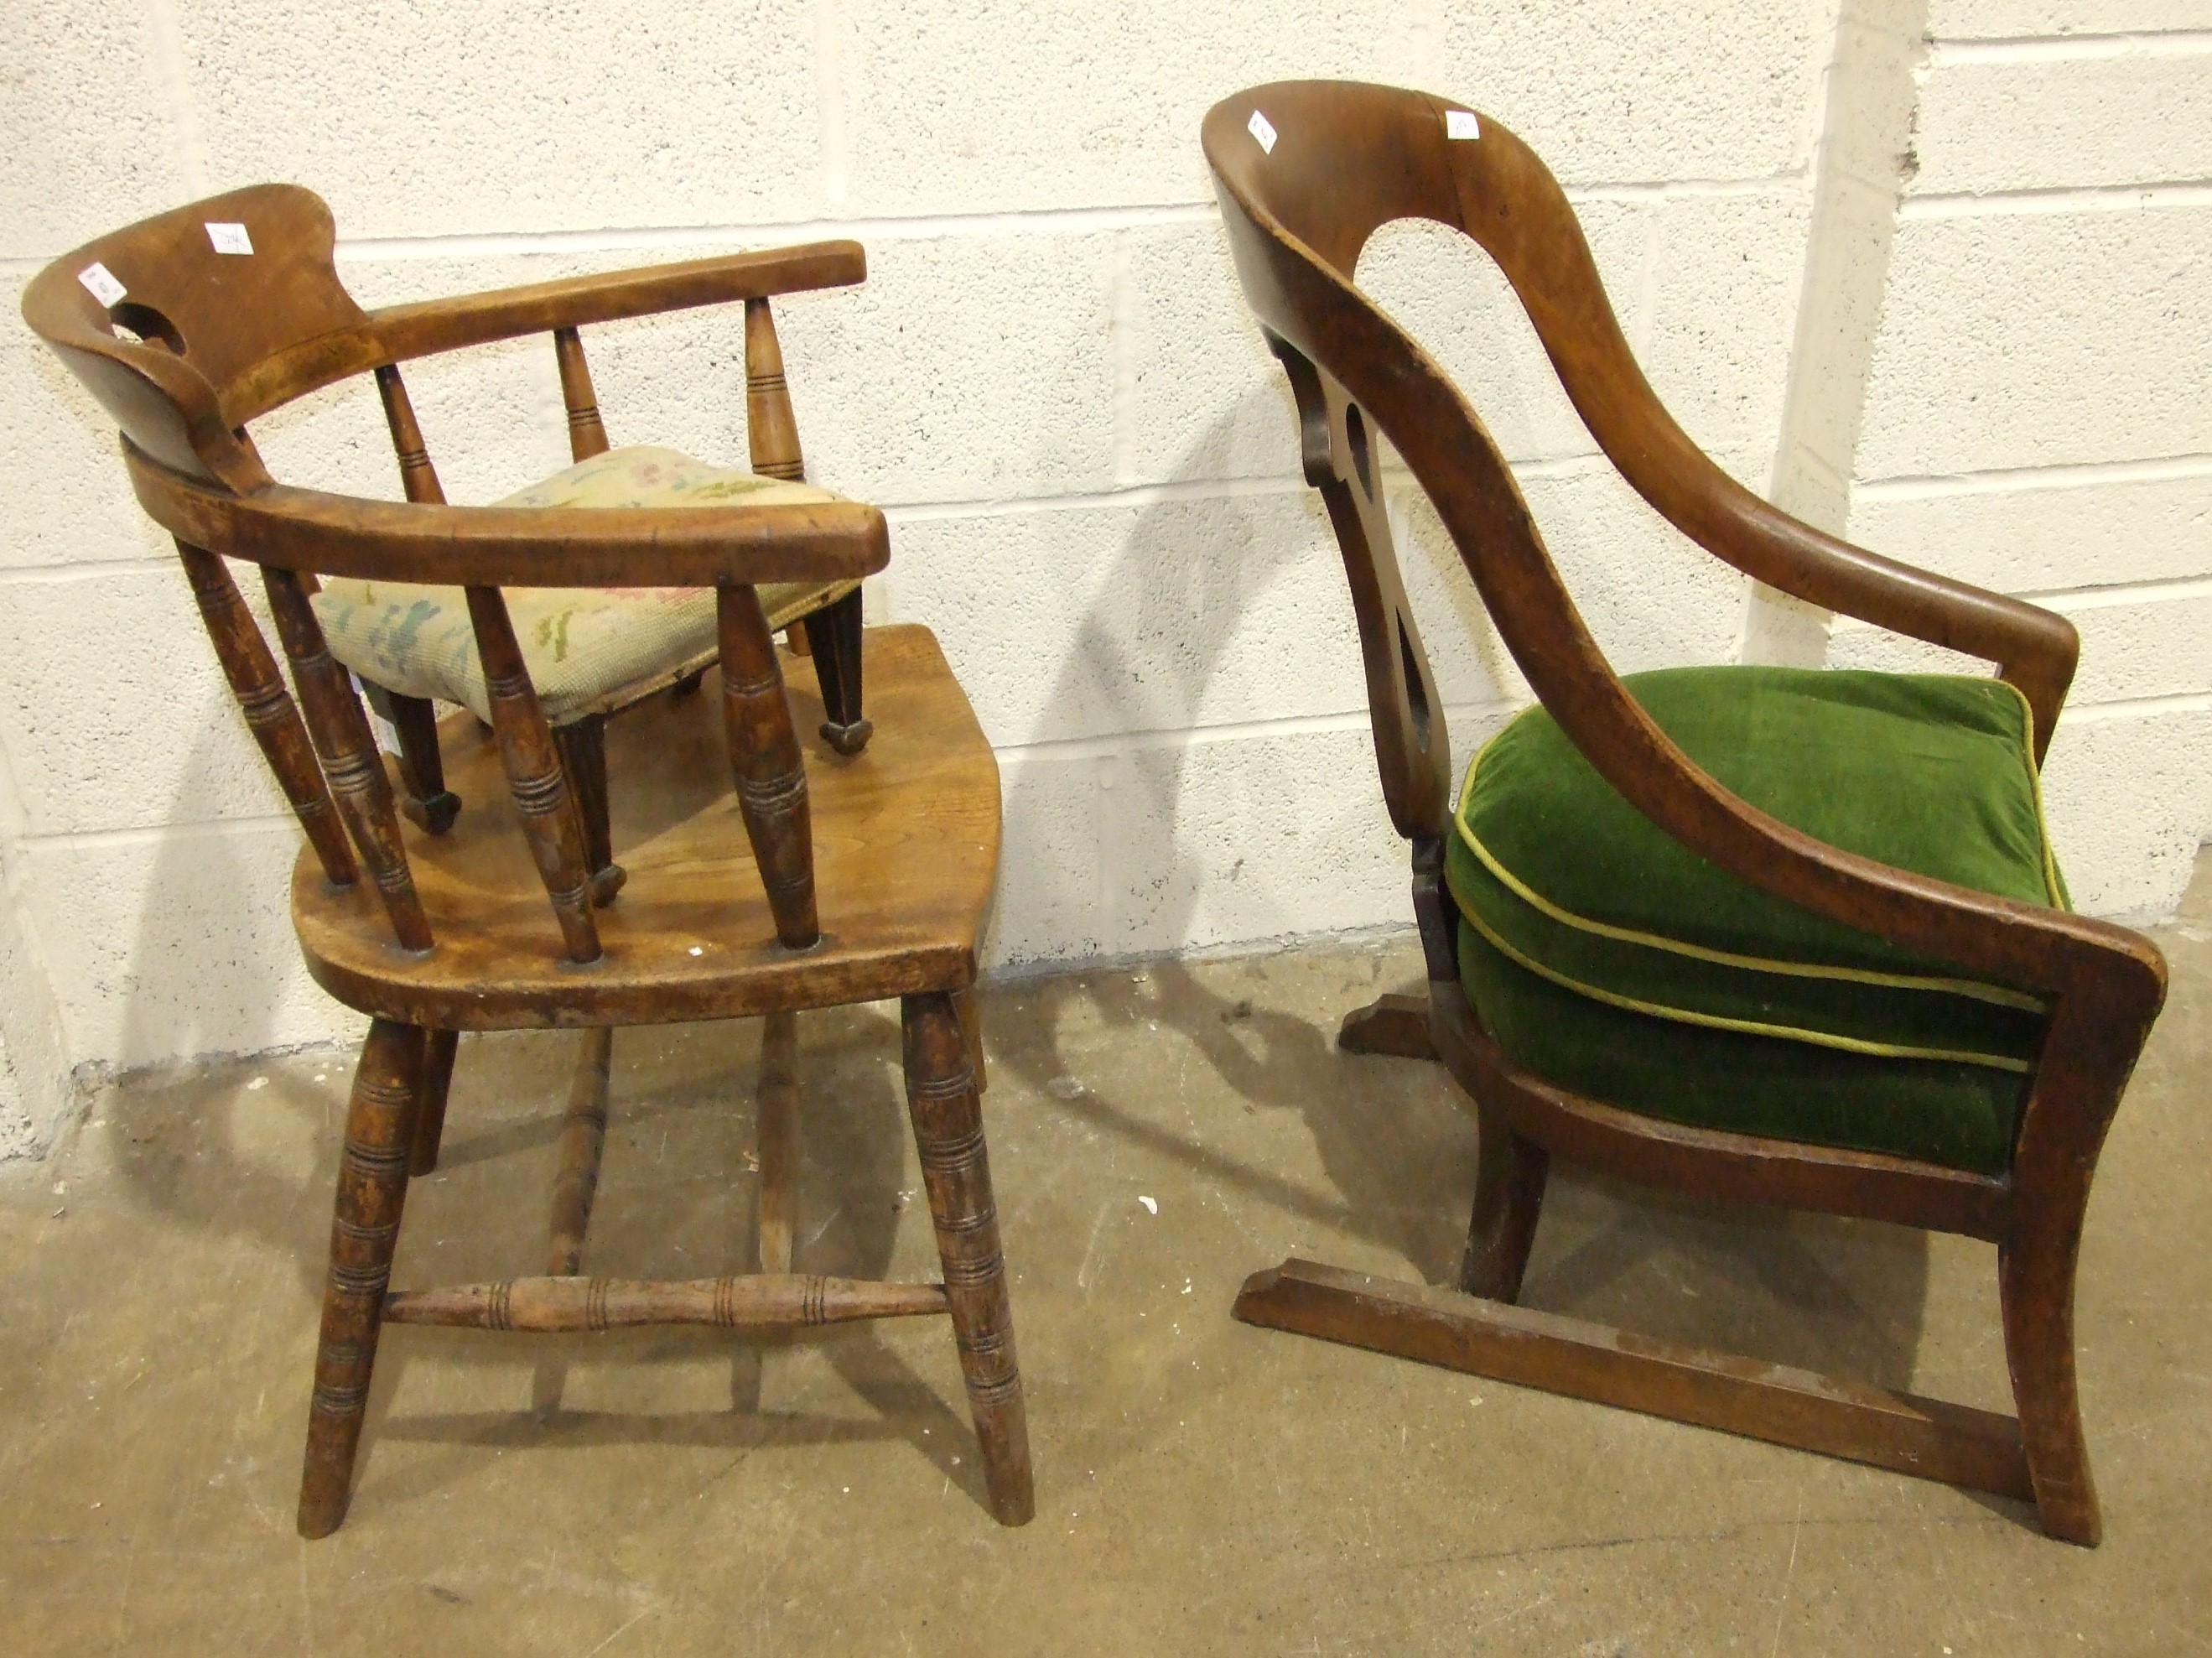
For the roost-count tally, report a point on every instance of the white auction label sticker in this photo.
(229, 238)
(1461, 124)
(100, 282)
(1263, 130)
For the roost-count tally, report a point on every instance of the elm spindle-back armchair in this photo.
(1767, 935)
(866, 876)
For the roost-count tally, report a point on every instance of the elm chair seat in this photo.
(589, 649)
(1603, 953)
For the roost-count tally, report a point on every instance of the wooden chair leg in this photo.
(777, 1137)
(948, 1131)
(583, 745)
(2035, 1283)
(1508, 1195)
(833, 635)
(429, 805)
(1397, 1025)
(967, 1004)
(387, 1088)
(583, 1142)
(430, 1116)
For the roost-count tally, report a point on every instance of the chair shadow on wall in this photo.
(1391, 1135)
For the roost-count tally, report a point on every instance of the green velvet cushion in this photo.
(1607, 958)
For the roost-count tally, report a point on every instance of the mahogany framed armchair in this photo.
(763, 882)
(1767, 935)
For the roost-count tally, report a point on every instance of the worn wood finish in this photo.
(777, 1138)
(1350, 158)
(583, 1142)
(583, 746)
(709, 927)
(764, 760)
(1902, 1431)
(758, 1302)
(269, 709)
(968, 1005)
(364, 1231)
(418, 478)
(350, 757)
(550, 821)
(587, 433)
(771, 429)
(948, 1131)
(904, 887)
(438, 1054)
(816, 542)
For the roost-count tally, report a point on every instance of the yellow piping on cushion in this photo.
(1971, 988)
(1748, 1027)
(2051, 884)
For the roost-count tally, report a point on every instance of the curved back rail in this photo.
(1305, 173)
(188, 326)
(1343, 159)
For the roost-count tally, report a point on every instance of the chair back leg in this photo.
(430, 1116)
(1508, 1195)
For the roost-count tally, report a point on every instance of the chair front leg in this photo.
(388, 1090)
(2035, 1287)
(948, 1131)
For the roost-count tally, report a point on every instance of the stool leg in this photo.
(387, 1090)
(583, 746)
(833, 637)
(948, 1131)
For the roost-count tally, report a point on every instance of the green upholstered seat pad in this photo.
(1927, 773)
(1961, 1116)
(587, 648)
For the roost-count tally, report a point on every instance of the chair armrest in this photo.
(2034, 649)
(400, 333)
(296, 529)
(406, 331)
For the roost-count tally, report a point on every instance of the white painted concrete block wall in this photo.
(2039, 413)
(1049, 382)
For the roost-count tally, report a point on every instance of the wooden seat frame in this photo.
(202, 343)
(1340, 160)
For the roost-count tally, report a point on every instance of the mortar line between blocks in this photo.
(1057, 221)
(2138, 707)
(2065, 475)
(1117, 745)
(2069, 48)
(2086, 198)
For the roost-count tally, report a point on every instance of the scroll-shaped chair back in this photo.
(188, 324)
(1306, 172)
(207, 294)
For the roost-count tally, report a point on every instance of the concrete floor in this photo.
(1155, 1135)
